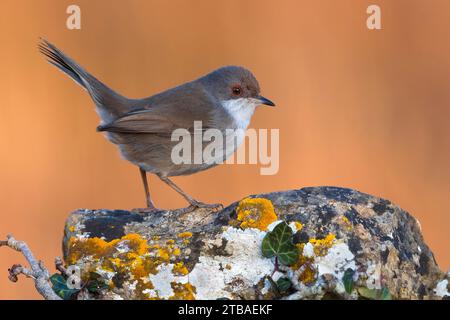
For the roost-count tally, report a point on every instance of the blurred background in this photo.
(356, 108)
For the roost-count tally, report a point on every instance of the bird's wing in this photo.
(142, 122)
(173, 109)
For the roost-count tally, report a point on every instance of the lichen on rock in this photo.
(205, 255)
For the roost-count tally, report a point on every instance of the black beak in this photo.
(266, 101)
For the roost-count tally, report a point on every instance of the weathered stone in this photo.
(206, 255)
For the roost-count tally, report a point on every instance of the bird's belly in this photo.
(154, 154)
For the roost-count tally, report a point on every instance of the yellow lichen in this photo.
(71, 228)
(116, 262)
(164, 254)
(321, 246)
(255, 213)
(180, 269)
(184, 235)
(301, 258)
(131, 255)
(298, 225)
(182, 291)
(347, 223)
(308, 275)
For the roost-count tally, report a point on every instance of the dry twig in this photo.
(38, 272)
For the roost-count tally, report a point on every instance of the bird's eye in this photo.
(237, 90)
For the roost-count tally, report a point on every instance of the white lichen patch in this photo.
(106, 274)
(308, 250)
(306, 292)
(83, 235)
(122, 247)
(113, 296)
(338, 259)
(293, 227)
(212, 281)
(373, 276)
(162, 281)
(209, 277)
(441, 289)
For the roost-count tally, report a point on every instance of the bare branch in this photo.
(59, 265)
(38, 272)
(17, 269)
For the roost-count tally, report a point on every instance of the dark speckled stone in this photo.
(377, 232)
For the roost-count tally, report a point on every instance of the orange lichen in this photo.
(71, 228)
(133, 257)
(184, 235)
(182, 291)
(99, 248)
(255, 213)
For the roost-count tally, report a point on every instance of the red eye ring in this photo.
(236, 90)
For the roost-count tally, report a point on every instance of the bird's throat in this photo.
(241, 110)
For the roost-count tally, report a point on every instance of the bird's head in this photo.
(236, 85)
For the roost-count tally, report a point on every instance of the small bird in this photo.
(141, 128)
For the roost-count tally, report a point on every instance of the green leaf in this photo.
(95, 283)
(368, 293)
(385, 294)
(375, 294)
(284, 284)
(278, 243)
(59, 286)
(347, 279)
(274, 286)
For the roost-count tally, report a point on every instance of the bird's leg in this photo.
(150, 206)
(194, 204)
(147, 191)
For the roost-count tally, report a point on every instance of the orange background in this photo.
(356, 108)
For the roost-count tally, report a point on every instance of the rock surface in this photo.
(350, 245)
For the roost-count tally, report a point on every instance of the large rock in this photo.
(349, 244)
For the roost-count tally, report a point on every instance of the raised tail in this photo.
(110, 104)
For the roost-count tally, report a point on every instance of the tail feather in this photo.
(56, 59)
(110, 104)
